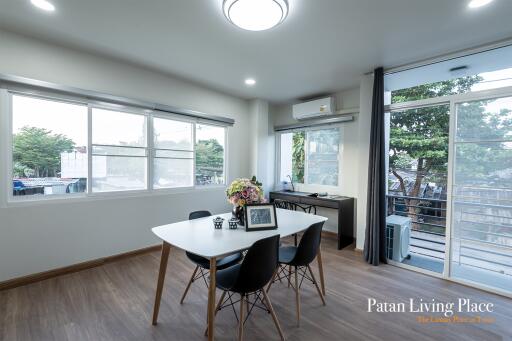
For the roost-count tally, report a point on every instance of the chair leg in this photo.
(289, 275)
(273, 278)
(216, 309)
(273, 313)
(189, 283)
(241, 319)
(297, 298)
(316, 285)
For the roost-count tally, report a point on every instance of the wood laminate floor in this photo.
(114, 302)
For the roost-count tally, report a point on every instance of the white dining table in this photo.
(199, 236)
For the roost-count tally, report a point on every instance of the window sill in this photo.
(120, 195)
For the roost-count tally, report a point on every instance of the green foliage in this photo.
(420, 136)
(36, 152)
(298, 156)
(209, 156)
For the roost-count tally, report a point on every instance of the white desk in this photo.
(199, 236)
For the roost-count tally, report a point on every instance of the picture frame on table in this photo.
(260, 217)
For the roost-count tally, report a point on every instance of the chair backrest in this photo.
(198, 214)
(286, 205)
(308, 245)
(258, 265)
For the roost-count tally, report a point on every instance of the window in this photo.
(119, 151)
(49, 147)
(210, 145)
(311, 156)
(64, 146)
(173, 163)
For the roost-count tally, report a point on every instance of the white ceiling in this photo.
(323, 46)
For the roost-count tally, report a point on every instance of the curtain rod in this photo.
(448, 56)
(6, 80)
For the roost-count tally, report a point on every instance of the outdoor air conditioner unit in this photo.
(317, 108)
(398, 237)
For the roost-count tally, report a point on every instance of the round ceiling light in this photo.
(478, 3)
(255, 15)
(44, 5)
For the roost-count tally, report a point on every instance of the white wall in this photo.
(262, 144)
(355, 155)
(40, 237)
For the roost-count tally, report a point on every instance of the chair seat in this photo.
(226, 278)
(287, 254)
(222, 263)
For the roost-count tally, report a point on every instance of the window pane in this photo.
(323, 151)
(293, 156)
(210, 145)
(118, 128)
(169, 134)
(485, 120)
(49, 146)
(170, 173)
(118, 173)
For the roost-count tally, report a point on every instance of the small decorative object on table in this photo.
(218, 222)
(260, 217)
(242, 192)
(233, 223)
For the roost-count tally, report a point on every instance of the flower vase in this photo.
(238, 213)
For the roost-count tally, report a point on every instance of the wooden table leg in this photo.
(211, 298)
(161, 278)
(321, 269)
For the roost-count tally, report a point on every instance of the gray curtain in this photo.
(375, 242)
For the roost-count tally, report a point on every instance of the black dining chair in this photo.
(203, 264)
(248, 280)
(296, 260)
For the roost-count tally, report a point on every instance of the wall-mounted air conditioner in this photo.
(316, 108)
(398, 237)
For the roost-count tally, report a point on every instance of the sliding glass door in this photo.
(481, 200)
(417, 186)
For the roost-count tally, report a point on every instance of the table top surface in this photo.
(200, 237)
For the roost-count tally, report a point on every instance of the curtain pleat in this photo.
(375, 242)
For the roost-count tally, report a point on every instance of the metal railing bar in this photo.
(415, 198)
(427, 255)
(487, 261)
(486, 215)
(486, 251)
(428, 240)
(419, 214)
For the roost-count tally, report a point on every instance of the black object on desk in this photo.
(344, 205)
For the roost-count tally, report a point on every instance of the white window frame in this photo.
(305, 185)
(7, 199)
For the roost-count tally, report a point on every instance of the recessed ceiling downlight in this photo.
(255, 15)
(479, 3)
(250, 81)
(44, 5)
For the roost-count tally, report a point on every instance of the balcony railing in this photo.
(428, 226)
(483, 231)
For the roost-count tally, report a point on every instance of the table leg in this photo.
(211, 298)
(161, 278)
(321, 269)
